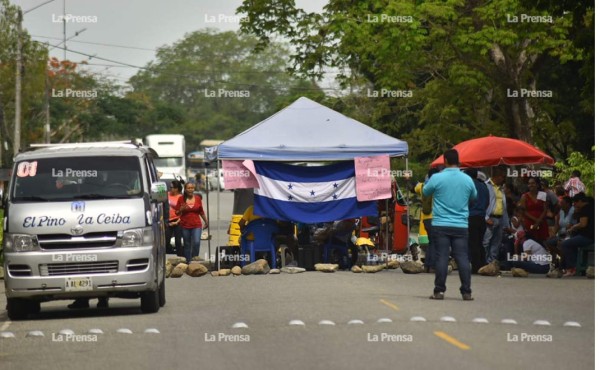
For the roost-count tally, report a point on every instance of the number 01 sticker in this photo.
(25, 169)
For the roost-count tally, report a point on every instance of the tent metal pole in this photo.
(407, 206)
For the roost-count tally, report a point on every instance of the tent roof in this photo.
(308, 131)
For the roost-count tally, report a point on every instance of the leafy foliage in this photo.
(578, 161)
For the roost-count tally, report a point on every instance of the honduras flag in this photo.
(308, 194)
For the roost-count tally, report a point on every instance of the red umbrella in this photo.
(493, 151)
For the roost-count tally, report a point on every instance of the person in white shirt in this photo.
(535, 258)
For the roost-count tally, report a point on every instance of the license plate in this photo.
(78, 284)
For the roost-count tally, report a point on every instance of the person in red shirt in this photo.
(174, 229)
(191, 214)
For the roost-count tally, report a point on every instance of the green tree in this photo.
(34, 57)
(578, 161)
(212, 85)
(463, 61)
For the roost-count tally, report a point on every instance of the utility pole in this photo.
(18, 86)
(65, 29)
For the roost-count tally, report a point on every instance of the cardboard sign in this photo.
(373, 178)
(238, 176)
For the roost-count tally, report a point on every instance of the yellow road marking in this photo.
(391, 305)
(451, 340)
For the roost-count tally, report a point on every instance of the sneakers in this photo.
(437, 296)
(570, 272)
(467, 297)
(555, 273)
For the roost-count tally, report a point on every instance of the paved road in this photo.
(196, 326)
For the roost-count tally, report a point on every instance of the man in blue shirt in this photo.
(452, 190)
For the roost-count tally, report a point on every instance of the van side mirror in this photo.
(158, 192)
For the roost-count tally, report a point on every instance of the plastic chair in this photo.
(583, 259)
(264, 231)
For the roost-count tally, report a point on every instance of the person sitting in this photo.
(558, 233)
(248, 217)
(535, 258)
(581, 233)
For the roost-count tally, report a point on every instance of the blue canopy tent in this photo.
(309, 131)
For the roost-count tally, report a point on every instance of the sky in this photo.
(141, 26)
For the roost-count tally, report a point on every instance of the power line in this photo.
(191, 76)
(99, 43)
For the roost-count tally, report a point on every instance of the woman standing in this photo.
(536, 206)
(191, 213)
(174, 229)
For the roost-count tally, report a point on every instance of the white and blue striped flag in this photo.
(308, 194)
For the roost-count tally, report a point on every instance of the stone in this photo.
(179, 270)
(236, 270)
(411, 267)
(356, 269)
(275, 271)
(214, 273)
(197, 258)
(517, 272)
(491, 269)
(393, 264)
(1, 273)
(176, 260)
(258, 267)
(168, 269)
(224, 272)
(293, 270)
(373, 268)
(196, 270)
(590, 273)
(326, 267)
(206, 264)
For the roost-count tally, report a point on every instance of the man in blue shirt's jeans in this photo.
(452, 190)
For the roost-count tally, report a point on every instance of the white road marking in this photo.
(326, 322)
(481, 320)
(35, 333)
(542, 322)
(355, 322)
(418, 319)
(447, 319)
(7, 334)
(124, 331)
(239, 325)
(573, 324)
(296, 323)
(384, 320)
(508, 321)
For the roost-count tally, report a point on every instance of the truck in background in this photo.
(171, 159)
